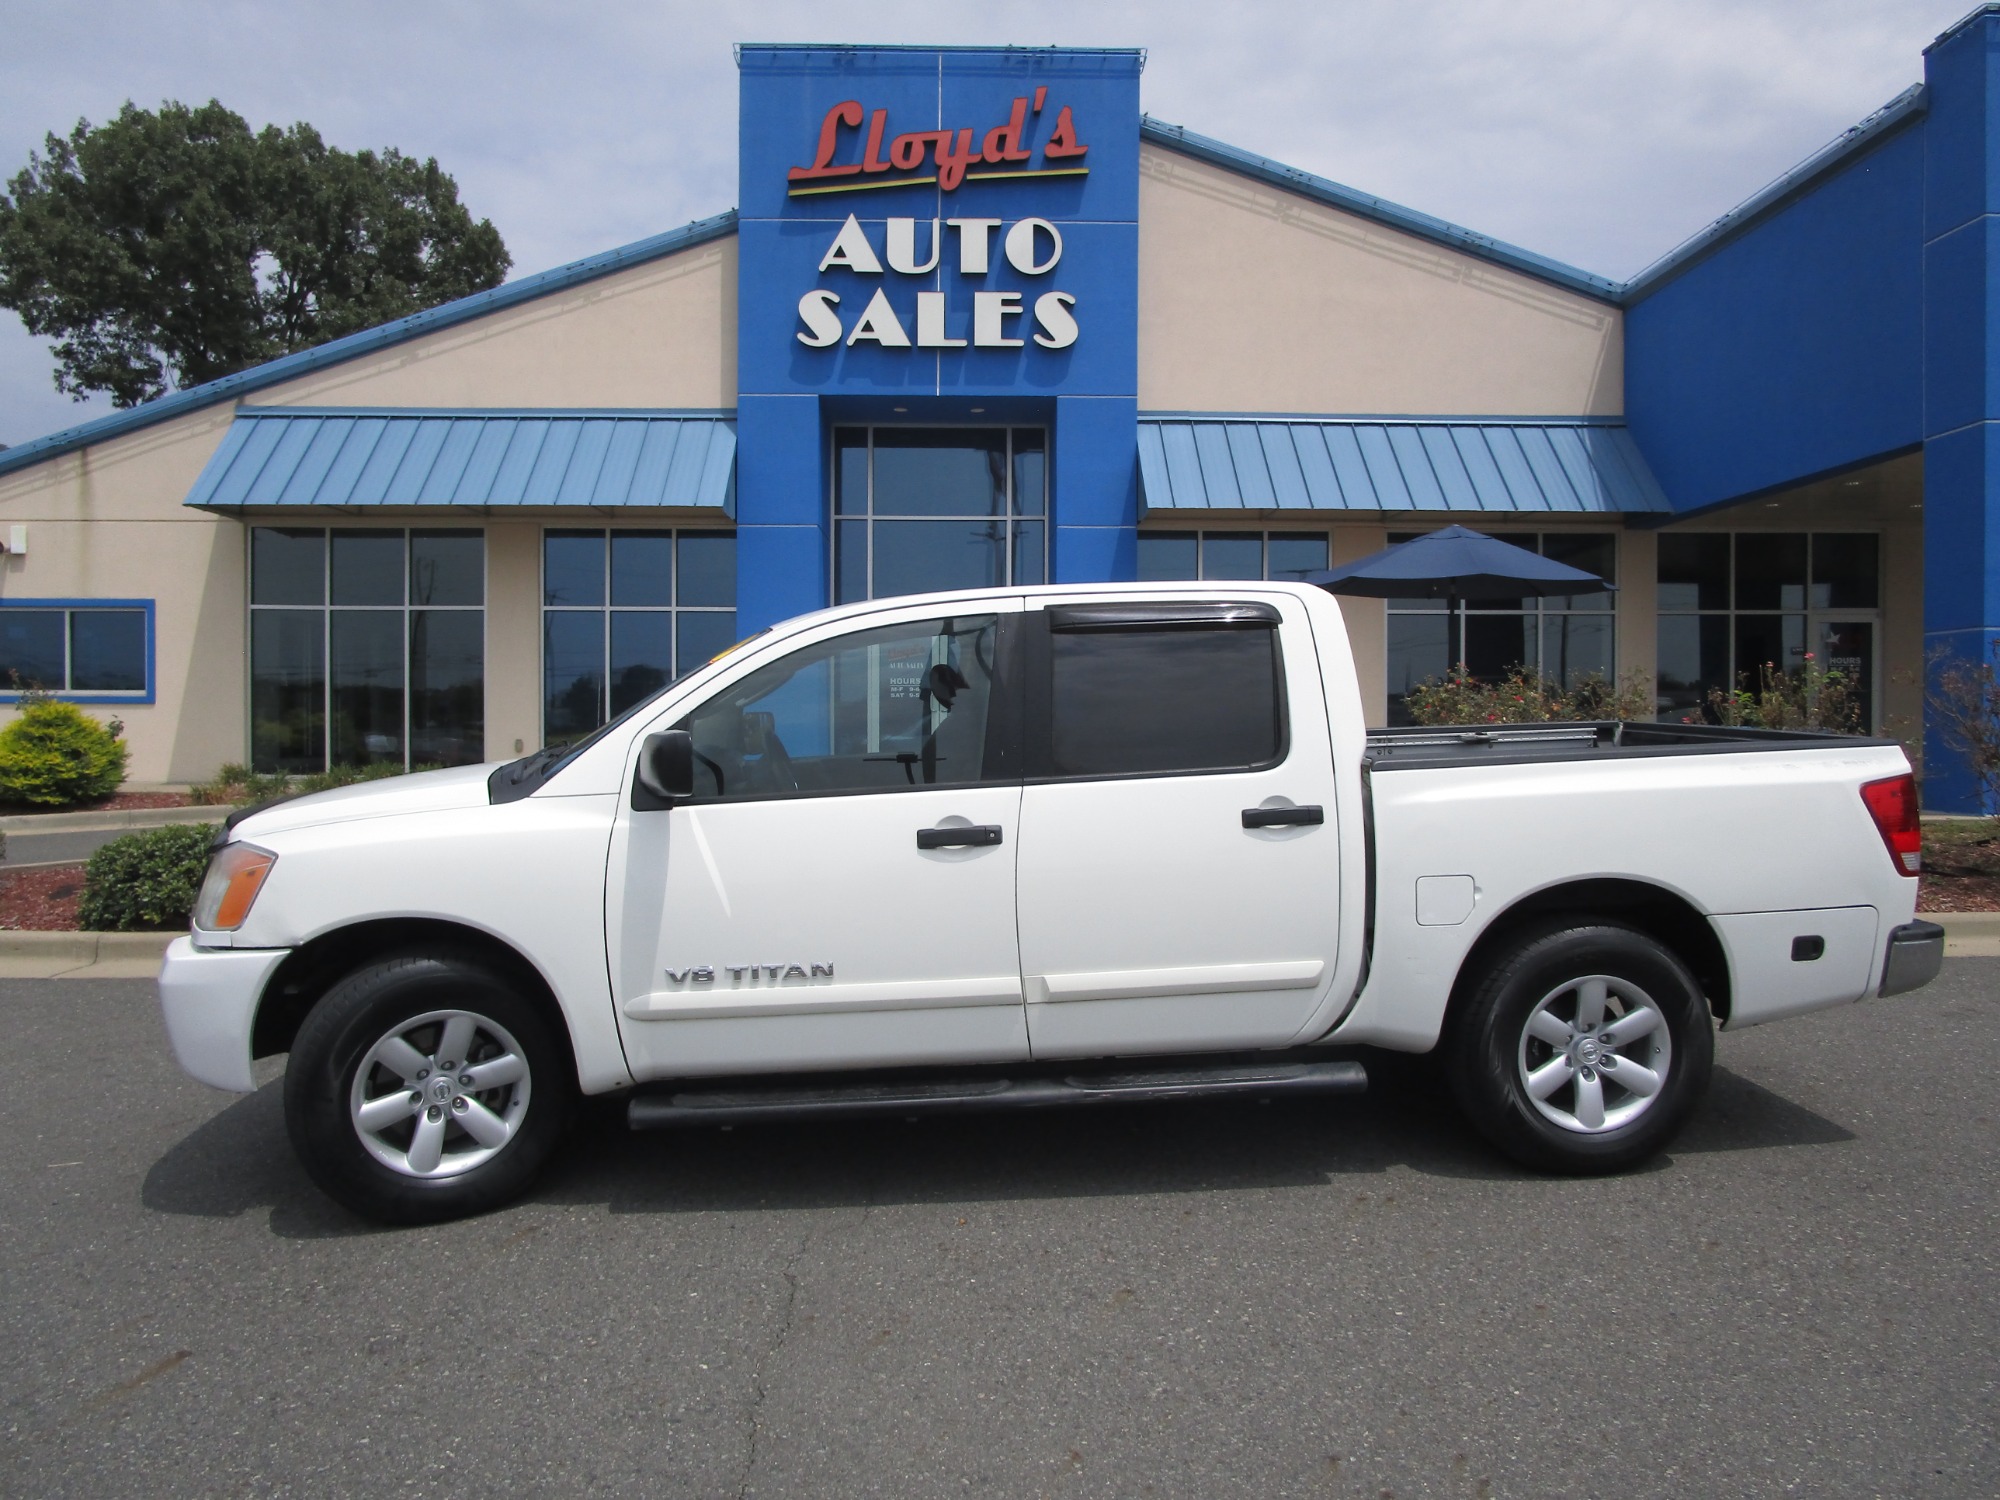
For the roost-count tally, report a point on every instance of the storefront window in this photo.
(923, 508)
(1288, 555)
(1730, 602)
(366, 647)
(1564, 637)
(626, 612)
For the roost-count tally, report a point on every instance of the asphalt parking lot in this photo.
(1338, 1298)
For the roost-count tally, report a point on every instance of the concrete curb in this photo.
(82, 955)
(1967, 934)
(103, 821)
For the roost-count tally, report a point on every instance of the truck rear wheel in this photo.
(425, 1087)
(1583, 1050)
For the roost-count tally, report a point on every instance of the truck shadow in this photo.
(239, 1162)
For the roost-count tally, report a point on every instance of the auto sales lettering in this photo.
(913, 247)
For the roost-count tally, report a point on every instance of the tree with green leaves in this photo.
(163, 250)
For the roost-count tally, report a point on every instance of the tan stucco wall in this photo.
(661, 334)
(1367, 620)
(513, 638)
(1255, 299)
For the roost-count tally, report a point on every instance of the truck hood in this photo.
(427, 791)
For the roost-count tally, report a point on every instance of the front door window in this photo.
(898, 706)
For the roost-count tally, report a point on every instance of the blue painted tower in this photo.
(934, 237)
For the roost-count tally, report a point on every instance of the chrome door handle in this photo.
(977, 836)
(1283, 817)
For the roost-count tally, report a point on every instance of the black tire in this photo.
(359, 1016)
(1490, 1052)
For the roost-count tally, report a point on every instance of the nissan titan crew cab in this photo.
(1027, 847)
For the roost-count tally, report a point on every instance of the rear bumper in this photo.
(208, 997)
(1916, 953)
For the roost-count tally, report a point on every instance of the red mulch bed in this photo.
(117, 802)
(1959, 893)
(40, 900)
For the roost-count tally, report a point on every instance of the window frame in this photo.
(673, 531)
(1199, 536)
(1816, 617)
(326, 609)
(148, 694)
(868, 516)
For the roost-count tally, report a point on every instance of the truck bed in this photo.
(1440, 745)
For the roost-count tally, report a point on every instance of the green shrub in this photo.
(145, 881)
(237, 784)
(55, 755)
(1526, 697)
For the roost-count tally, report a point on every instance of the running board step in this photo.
(666, 1111)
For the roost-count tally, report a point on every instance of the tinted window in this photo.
(107, 650)
(31, 647)
(1180, 698)
(897, 706)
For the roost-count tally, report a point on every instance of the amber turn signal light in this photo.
(235, 875)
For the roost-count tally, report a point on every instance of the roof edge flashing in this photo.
(368, 341)
(1827, 162)
(1978, 12)
(1381, 210)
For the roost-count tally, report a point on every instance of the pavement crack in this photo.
(757, 1388)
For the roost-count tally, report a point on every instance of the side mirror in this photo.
(666, 767)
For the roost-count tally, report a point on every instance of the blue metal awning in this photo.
(1474, 465)
(315, 456)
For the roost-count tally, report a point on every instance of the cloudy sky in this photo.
(1596, 132)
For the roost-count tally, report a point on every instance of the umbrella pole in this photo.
(1456, 633)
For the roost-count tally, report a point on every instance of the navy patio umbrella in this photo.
(1455, 564)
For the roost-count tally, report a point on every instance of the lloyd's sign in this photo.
(953, 157)
(846, 160)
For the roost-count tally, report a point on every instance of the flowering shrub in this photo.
(1808, 698)
(1524, 696)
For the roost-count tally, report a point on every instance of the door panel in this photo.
(840, 892)
(1152, 918)
(830, 938)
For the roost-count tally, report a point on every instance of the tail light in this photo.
(1892, 803)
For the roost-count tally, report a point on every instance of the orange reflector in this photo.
(235, 875)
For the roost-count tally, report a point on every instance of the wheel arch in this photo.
(1663, 915)
(315, 967)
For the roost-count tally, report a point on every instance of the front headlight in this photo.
(235, 876)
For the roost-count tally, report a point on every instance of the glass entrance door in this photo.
(1848, 647)
(924, 508)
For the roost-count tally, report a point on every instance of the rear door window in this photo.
(1134, 691)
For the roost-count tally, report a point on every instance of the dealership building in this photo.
(978, 320)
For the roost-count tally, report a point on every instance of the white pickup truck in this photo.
(1028, 847)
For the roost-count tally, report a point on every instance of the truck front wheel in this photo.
(1583, 1049)
(425, 1087)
